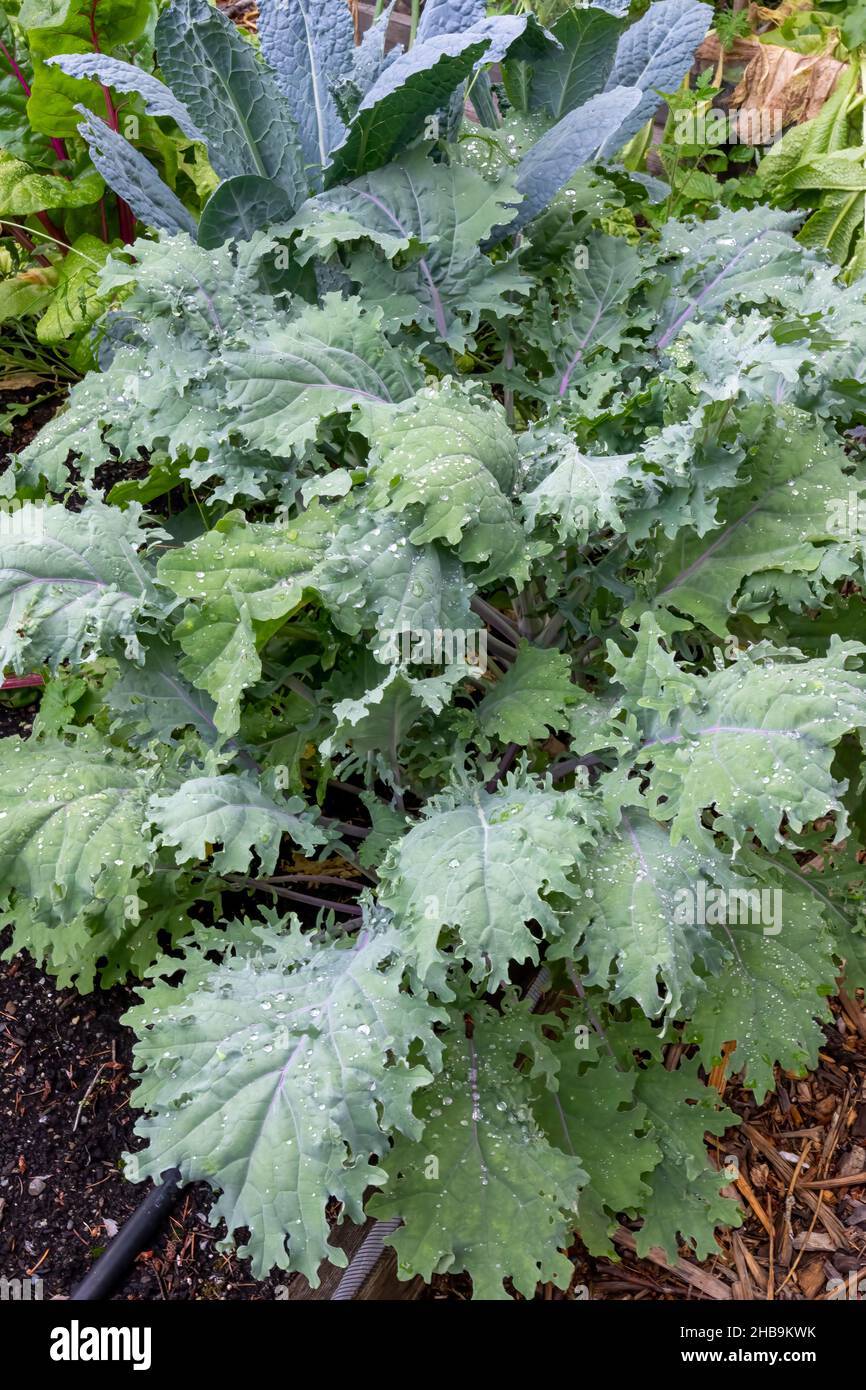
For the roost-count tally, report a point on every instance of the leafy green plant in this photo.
(820, 165)
(512, 622)
(54, 205)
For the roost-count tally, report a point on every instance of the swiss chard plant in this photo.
(479, 626)
(58, 217)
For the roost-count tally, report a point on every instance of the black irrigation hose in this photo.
(132, 1238)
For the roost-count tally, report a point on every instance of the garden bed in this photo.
(466, 345)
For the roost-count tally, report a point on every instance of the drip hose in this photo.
(130, 1240)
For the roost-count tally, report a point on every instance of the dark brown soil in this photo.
(26, 426)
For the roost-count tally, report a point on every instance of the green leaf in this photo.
(567, 77)
(594, 313)
(127, 171)
(24, 190)
(776, 524)
(742, 257)
(220, 654)
(443, 284)
(483, 1192)
(73, 585)
(450, 460)
(593, 1112)
(628, 923)
(843, 171)
(74, 844)
(239, 207)
(655, 54)
(480, 866)
(290, 1071)
(375, 718)
(769, 995)
(269, 564)
(374, 577)
(309, 45)
(238, 814)
(757, 745)
(651, 677)
(575, 140)
(230, 95)
(579, 493)
(323, 363)
(75, 26)
(152, 700)
(76, 301)
(16, 135)
(531, 698)
(449, 17)
(392, 113)
(159, 100)
(686, 1202)
(107, 947)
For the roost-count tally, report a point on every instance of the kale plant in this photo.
(499, 615)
